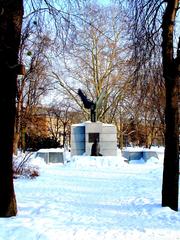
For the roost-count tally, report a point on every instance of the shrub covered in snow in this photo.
(22, 166)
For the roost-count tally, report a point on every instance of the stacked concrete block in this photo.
(108, 140)
(87, 132)
(77, 139)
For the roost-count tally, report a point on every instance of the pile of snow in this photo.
(92, 199)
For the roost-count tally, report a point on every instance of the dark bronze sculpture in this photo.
(95, 150)
(90, 104)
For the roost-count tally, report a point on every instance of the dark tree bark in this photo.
(171, 72)
(146, 36)
(11, 13)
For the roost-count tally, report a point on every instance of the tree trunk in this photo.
(17, 127)
(11, 13)
(170, 71)
(64, 134)
(16, 142)
(121, 136)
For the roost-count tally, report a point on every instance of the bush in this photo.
(35, 142)
(23, 168)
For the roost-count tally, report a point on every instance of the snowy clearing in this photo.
(92, 199)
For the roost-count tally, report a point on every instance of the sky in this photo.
(104, 2)
(92, 198)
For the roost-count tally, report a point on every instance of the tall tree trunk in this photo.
(171, 75)
(16, 141)
(17, 128)
(11, 12)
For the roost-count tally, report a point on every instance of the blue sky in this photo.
(105, 2)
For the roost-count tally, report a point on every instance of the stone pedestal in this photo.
(83, 136)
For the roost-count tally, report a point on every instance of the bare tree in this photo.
(151, 18)
(35, 83)
(10, 32)
(60, 120)
(171, 73)
(11, 16)
(95, 61)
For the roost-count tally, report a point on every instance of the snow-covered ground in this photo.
(92, 199)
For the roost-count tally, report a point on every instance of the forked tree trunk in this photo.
(11, 12)
(171, 75)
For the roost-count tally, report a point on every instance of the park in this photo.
(100, 81)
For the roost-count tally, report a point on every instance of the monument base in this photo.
(84, 134)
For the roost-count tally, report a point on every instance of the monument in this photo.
(84, 135)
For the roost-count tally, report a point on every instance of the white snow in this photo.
(45, 150)
(92, 198)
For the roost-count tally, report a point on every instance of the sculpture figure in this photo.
(89, 105)
(95, 149)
